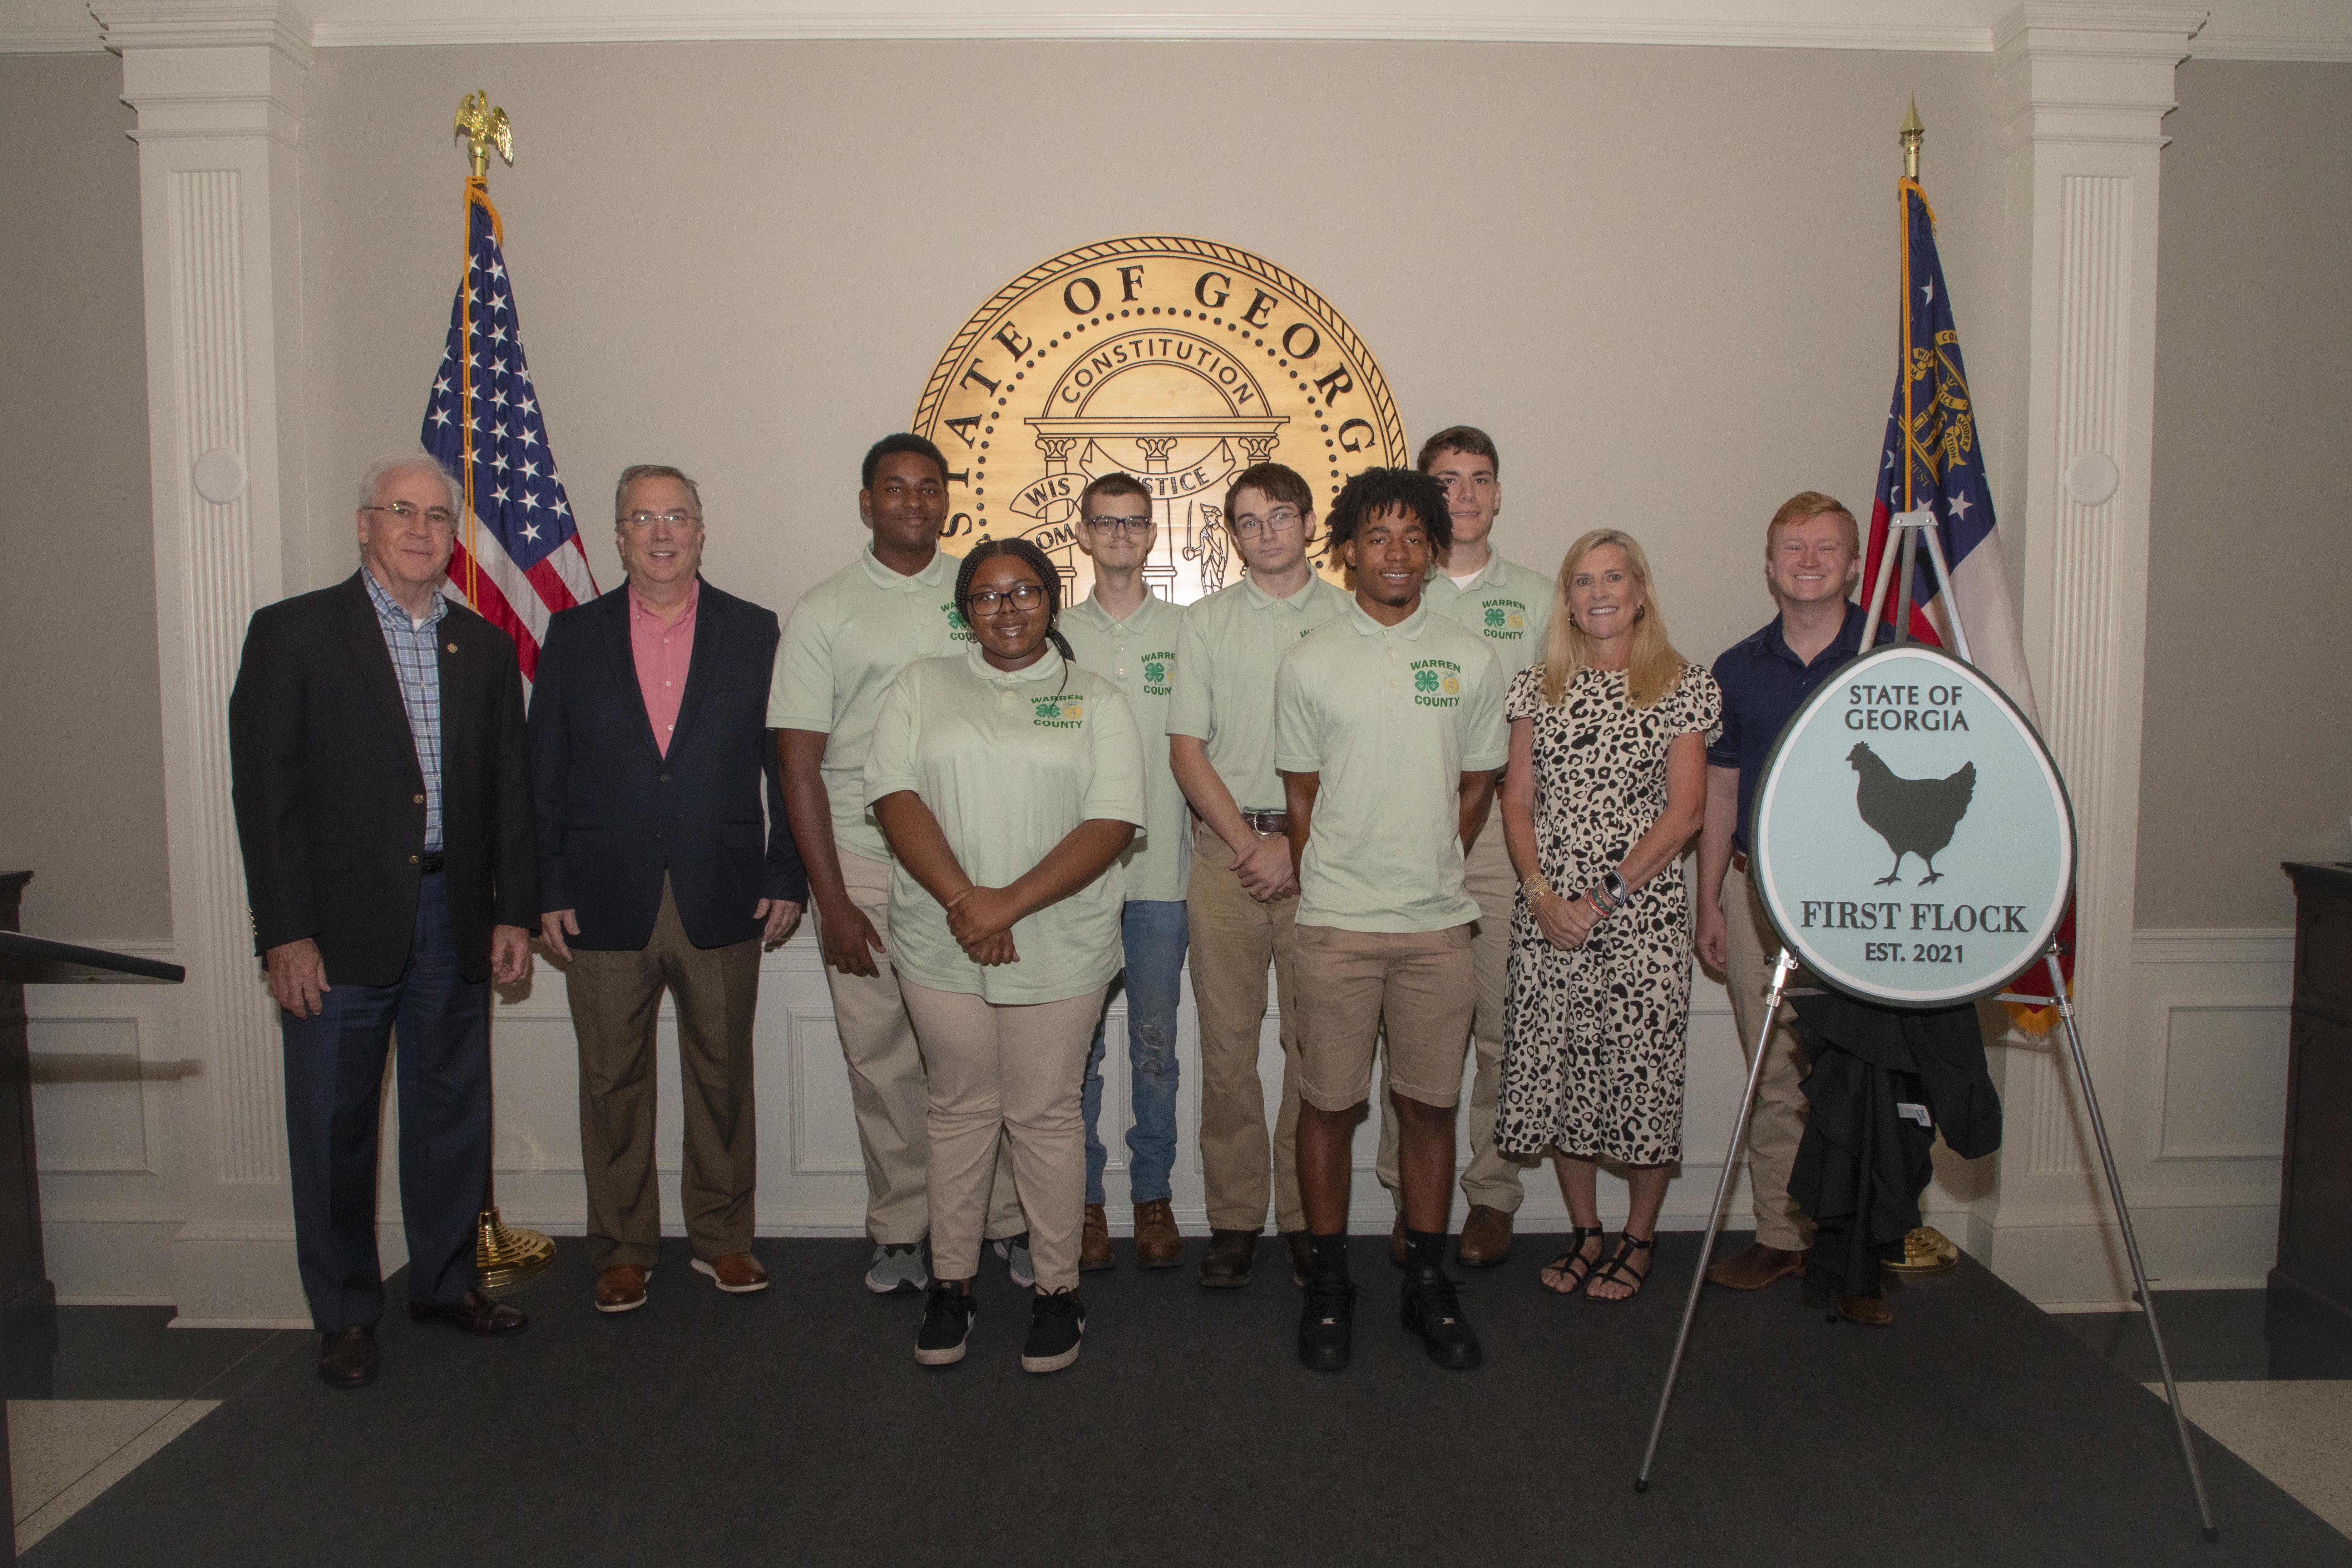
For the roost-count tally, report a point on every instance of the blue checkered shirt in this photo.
(418, 663)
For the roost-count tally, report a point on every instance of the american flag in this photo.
(1933, 458)
(518, 559)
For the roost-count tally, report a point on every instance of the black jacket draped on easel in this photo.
(1864, 1163)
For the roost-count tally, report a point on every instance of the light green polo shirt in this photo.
(1009, 761)
(1506, 603)
(1140, 655)
(1226, 660)
(1390, 717)
(847, 642)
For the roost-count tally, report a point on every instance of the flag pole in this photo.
(503, 1254)
(1925, 1250)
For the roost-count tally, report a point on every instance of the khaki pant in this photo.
(615, 1004)
(1233, 936)
(886, 1081)
(1777, 1124)
(1006, 1078)
(1420, 985)
(1493, 1177)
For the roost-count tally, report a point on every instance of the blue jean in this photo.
(1152, 933)
(335, 1085)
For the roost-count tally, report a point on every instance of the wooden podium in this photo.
(2310, 1297)
(29, 1303)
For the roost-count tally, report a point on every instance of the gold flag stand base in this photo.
(509, 1254)
(1925, 1250)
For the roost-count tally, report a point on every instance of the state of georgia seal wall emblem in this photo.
(1181, 361)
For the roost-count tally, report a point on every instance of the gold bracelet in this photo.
(1536, 886)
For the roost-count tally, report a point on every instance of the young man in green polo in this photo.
(1388, 733)
(1508, 606)
(1243, 891)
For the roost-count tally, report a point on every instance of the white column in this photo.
(218, 91)
(2083, 92)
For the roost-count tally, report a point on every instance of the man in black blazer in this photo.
(652, 758)
(382, 784)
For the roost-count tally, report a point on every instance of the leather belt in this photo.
(429, 864)
(1267, 822)
(1739, 861)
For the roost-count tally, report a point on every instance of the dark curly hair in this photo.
(1376, 490)
(1048, 574)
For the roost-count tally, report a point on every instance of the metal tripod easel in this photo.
(1917, 526)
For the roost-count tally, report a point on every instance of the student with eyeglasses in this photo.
(1243, 893)
(1124, 631)
(1008, 782)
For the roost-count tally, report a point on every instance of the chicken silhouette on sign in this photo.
(1915, 817)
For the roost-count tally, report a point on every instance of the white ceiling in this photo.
(2238, 30)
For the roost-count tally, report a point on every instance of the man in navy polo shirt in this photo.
(1813, 555)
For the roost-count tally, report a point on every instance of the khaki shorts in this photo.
(1425, 984)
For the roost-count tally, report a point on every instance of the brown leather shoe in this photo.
(1756, 1267)
(474, 1312)
(1870, 1311)
(1227, 1265)
(1396, 1242)
(1157, 1243)
(1094, 1242)
(347, 1357)
(738, 1273)
(1486, 1238)
(621, 1288)
(1302, 1256)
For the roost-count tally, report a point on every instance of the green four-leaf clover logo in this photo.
(1424, 680)
(956, 623)
(1494, 615)
(1155, 672)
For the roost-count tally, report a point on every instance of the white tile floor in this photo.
(64, 1452)
(2297, 1433)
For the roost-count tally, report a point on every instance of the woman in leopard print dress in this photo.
(1606, 785)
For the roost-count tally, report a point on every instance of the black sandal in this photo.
(1612, 1269)
(1573, 1259)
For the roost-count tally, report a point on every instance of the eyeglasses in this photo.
(1278, 520)
(648, 518)
(1025, 596)
(1130, 526)
(440, 517)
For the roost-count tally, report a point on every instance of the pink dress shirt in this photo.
(663, 654)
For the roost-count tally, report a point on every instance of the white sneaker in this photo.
(898, 1270)
(1014, 1250)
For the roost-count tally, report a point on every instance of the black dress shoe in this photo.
(1327, 1339)
(1228, 1262)
(474, 1312)
(347, 1357)
(1433, 1310)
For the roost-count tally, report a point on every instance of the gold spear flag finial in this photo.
(484, 128)
(1913, 134)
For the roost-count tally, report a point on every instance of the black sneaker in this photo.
(1433, 1310)
(1057, 1321)
(948, 1313)
(1326, 1325)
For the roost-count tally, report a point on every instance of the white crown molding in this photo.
(2296, 30)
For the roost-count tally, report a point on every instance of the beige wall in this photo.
(2247, 755)
(81, 743)
(1663, 278)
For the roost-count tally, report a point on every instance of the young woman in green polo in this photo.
(1008, 781)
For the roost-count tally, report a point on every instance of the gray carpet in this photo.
(794, 1427)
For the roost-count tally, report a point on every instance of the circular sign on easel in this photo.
(1912, 841)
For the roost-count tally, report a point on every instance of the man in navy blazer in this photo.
(651, 757)
(384, 805)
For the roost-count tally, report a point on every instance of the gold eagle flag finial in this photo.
(484, 127)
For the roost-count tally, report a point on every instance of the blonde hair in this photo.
(1807, 505)
(1654, 669)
